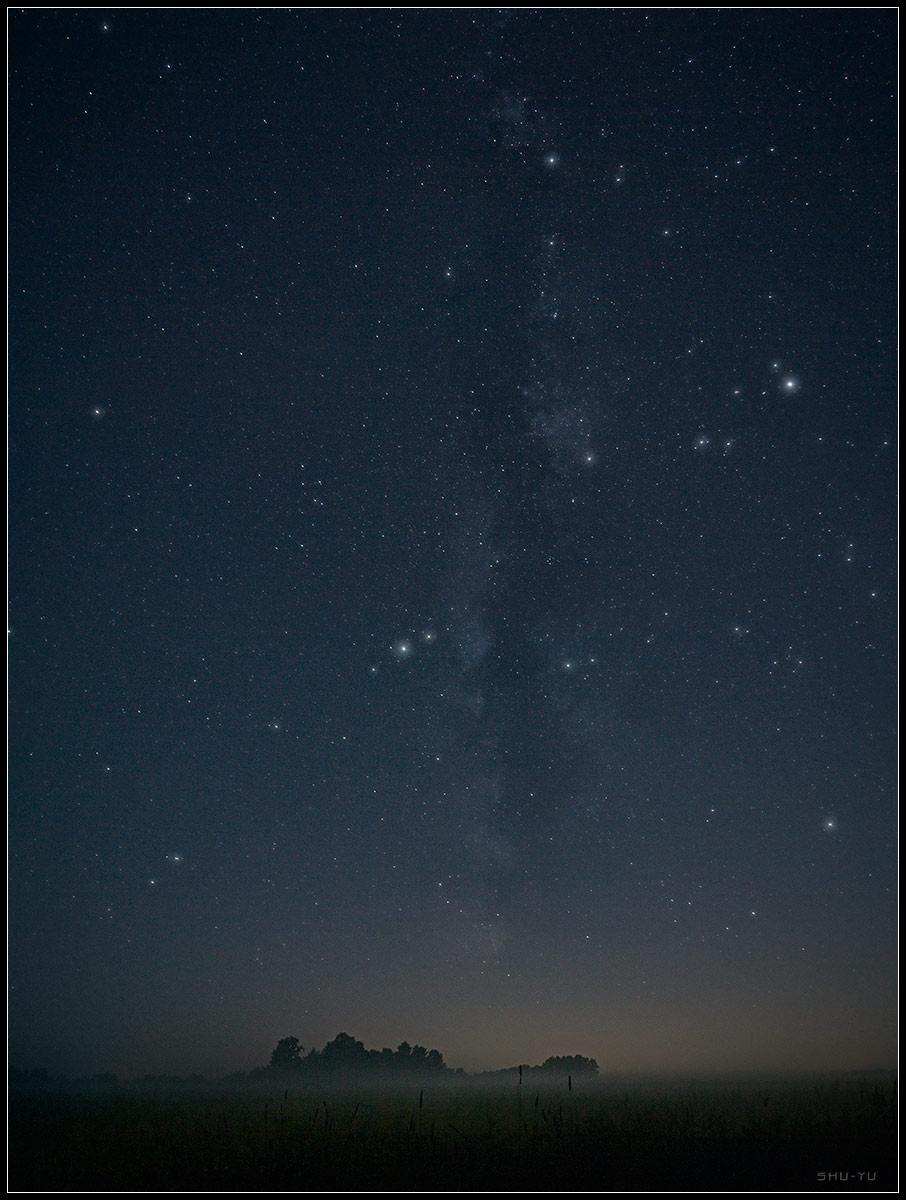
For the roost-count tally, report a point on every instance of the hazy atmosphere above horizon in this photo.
(451, 517)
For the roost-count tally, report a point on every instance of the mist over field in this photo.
(522, 1129)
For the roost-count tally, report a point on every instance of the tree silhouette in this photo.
(343, 1051)
(572, 1064)
(418, 1058)
(287, 1055)
(435, 1061)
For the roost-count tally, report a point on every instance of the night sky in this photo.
(452, 514)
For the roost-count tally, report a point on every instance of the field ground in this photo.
(595, 1137)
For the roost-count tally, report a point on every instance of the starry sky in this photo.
(451, 536)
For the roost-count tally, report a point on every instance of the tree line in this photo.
(346, 1054)
(344, 1059)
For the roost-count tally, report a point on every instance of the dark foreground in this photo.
(741, 1137)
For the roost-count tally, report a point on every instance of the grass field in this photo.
(597, 1137)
